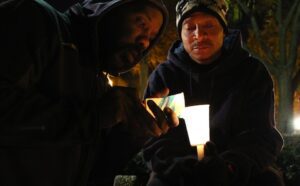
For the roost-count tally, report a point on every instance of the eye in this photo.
(208, 26)
(140, 21)
(190, 27)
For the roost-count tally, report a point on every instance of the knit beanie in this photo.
(185, 8)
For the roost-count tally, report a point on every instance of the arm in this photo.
(255, 142)
(258, 132)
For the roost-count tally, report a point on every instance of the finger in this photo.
(163, 93)
(159, 116)
(172, 118)
(147, 122)
(210, 149)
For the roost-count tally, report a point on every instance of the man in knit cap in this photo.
(210, 66)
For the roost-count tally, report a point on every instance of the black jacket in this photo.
(239, 90)
(51, 84)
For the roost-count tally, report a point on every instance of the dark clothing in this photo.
(239, 91)
(51, 85)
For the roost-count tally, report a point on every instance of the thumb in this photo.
(210, 149)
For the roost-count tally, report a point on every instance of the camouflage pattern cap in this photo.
(217, 8)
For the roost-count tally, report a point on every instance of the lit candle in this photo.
(200, 151)
(197, 124)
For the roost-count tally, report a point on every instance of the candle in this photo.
(200, 151)
(197, 124)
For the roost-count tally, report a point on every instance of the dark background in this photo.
(62, 5)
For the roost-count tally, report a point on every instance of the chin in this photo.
(118, 66)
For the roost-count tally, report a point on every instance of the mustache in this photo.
(202, 43)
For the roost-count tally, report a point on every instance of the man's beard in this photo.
(123, 58)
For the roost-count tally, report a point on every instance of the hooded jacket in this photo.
(238, 89)
(51, 82)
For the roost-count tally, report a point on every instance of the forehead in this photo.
(200, 17)
(152, 12)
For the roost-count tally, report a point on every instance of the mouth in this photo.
(129, 59)
(201, 47)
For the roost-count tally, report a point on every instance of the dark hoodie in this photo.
(51, 82)
(239, 90)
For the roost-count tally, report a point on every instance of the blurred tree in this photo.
(274, 38)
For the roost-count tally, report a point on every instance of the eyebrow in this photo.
(189, 20)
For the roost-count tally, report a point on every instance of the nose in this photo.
(144, 42)
(199, 33)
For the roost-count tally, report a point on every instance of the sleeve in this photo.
(258, 143)
(29, 43)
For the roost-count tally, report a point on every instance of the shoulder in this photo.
(28, 35)
(257, 66)
(258, 73)
(164, 71)
(30, 16)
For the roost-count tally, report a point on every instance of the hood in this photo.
(85, 16)
(232, 55)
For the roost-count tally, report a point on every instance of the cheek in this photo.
(129, 34)
(187, 39)
(187, 45)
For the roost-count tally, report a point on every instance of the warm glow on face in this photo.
(197, 123)
(202, 37)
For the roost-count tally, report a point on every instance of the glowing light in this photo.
(110, 82)
(197, 124)
(297, 123)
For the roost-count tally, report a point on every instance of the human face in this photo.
(202, 36)
(134, 34)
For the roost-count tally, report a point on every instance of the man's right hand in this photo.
(166, 119)
(121, 105)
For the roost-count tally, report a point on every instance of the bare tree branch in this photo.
(290, 15)
(254, 24)
(279, 13)
(294, 39)
(296, 80)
